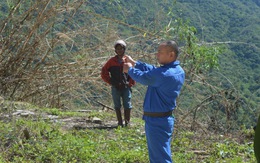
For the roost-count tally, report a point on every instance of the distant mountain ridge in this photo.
(236, 24)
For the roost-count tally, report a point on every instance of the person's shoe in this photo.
(127, 113)
(128, 124)
(119, 117)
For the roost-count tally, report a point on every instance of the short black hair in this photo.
(173, 46)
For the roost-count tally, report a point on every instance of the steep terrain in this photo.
(86, 43)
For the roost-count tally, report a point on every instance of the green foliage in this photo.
(73, 45)
(83, 37)
(209, 34)
(257, 141)
(233, 24)
(230, 151)
(49, 142)
(186, 144)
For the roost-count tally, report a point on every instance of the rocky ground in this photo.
(13, 110)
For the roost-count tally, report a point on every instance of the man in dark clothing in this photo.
(164, 85)
(121, 83)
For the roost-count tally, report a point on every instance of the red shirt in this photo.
(112, 73)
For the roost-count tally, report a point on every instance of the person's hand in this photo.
(130, 60)
(126, 67)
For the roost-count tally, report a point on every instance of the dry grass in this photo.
(52, 53)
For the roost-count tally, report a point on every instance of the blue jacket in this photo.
(164, 84)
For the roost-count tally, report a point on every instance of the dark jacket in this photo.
(112, 73)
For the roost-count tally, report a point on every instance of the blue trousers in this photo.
(158, 136)
(124, 94)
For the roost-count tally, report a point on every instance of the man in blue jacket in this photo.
(164, 85)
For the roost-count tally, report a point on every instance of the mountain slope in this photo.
(236, 24)
(231, 23)
(143, 23)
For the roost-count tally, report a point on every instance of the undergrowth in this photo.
(29, 140)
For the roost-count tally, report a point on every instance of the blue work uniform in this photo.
(164, 85)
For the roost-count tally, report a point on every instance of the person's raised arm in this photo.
(138, 64)
(129, 59)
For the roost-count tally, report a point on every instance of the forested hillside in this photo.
(54, 106)
(235, 24)
(232, 25)
(63, 51)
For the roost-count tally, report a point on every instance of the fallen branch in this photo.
(105, 106)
